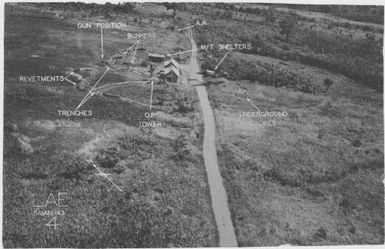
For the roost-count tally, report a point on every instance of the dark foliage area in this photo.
(359, 59)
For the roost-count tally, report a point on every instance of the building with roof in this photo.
(210, 73)
(171, 74)
(171, 71)
(171, 62)
(156, 58)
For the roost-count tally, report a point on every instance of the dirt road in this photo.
(217, 191)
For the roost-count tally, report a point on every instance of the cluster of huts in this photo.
(170, 70)
(167, 68)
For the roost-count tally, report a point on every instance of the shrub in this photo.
(107, 158)
(320, 234)
(356, 143)
(144, 63)
(70, 167)
(287, 25)
(183, 105)
(179, 147)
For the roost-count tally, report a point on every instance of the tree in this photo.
(179, 147)
(269, 14)
(228, 14)
(288, 25)
(328, 83)
(151, 69)
(172, 6)
(325, 8)
(127, 7)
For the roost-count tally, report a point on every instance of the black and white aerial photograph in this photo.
(192, 124)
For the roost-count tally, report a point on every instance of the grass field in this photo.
(312, 179)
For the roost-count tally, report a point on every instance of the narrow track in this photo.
(218, 193)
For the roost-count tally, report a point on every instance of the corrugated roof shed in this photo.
(172, 69)
(171, 62)
(156, 57)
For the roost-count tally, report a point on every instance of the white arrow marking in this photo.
(116, 186)
(101, 40)
(253, 104)
(128, 49)
(87, 97)
(73, 83)
(103, 174)
(174, 84)
(221, 61)
(100, 78)
(68, 75)
(193, 50)
(133, 57)
(90, 93)
(120, 83)
(133, 101)
(65, 78)
(152, 90)
(188, 27)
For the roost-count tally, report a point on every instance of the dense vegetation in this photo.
(283, 36)
(364, 13)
